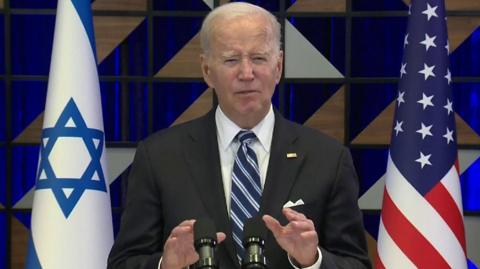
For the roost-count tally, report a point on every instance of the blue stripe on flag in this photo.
(32, 261)
(84, 11)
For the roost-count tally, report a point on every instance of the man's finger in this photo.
(302, 226)
(272, 224)
(220, 237)
(181, 231)
(309, 235)
(189, 222)
(292, 215)
(183, 227)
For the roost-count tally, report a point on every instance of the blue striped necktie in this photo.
(246, 188)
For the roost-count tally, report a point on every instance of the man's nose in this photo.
(246, 70)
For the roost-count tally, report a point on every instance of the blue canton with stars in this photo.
(91, 179)
(423, 143)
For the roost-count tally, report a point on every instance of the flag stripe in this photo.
(379, 264)
(421, 214)
(389, 254)
(442, 201)
(408, 238)
(451, 182)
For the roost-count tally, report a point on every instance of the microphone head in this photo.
(254, 229)
(204, 230)
(254, 233)
(205, 240)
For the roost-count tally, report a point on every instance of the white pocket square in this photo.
(292, 204)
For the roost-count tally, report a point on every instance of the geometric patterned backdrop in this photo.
(342, 60)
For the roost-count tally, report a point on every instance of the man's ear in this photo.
(204, 65)
(279, 67)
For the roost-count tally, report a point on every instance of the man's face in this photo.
(243, 66)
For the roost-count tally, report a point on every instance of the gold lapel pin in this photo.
(291, 155)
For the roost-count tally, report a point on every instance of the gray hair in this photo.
(232, 10)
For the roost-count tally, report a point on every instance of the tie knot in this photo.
(246, 136)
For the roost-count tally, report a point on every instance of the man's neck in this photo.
(247, 121)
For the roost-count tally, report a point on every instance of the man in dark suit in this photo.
(307, 183)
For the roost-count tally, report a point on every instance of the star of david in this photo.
(68, 191)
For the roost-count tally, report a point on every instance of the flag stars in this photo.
(398, 127)
(427, 71)
(447, 47)
(430, 12)
(425, 130)
(403, 70)
(405, 41)
(424, 159)
(400, 99)
(448, 106)
(448, 76)
(449, 135)
(426, 101)
(429, 42)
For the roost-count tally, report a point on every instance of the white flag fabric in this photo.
(71, 215)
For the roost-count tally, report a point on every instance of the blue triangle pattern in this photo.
(266, 4)
(136, 56)
(470, 183)
(3, 182)
(170, 100)
(27, 103)
(24, 168)
(370, 165)
(194, 5)
(379, 5)
(466, 100)
(24, 218)
(377, 46)
(305, 99)
(366, 103)
(170, 34)
(463, 60)
(371, 221)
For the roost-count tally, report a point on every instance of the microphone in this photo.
(254, 233)
(205, 240)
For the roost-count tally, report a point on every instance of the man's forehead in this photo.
(254, 42)
(257, 25)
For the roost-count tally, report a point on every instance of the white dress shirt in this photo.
(227, 130)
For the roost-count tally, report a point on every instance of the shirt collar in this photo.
(227, 129)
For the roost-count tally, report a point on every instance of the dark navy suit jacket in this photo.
(176, 176)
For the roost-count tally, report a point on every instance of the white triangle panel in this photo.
(303, 60)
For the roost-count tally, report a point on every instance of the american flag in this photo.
(421, 224)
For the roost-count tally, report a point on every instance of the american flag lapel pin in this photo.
(291, 155)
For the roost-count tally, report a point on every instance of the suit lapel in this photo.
(282, 170)
(201, 153)
(281, 174)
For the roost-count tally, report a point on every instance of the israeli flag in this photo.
(71, 215)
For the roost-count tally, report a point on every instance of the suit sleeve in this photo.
(139, 242)
(343, 239)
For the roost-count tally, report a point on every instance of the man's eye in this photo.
(259, 59)
(231, 61)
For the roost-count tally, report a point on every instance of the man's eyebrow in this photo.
(262, 53)
(228, 54)
(234, 54)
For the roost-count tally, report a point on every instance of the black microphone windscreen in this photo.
(254, 227)
(204, 228)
